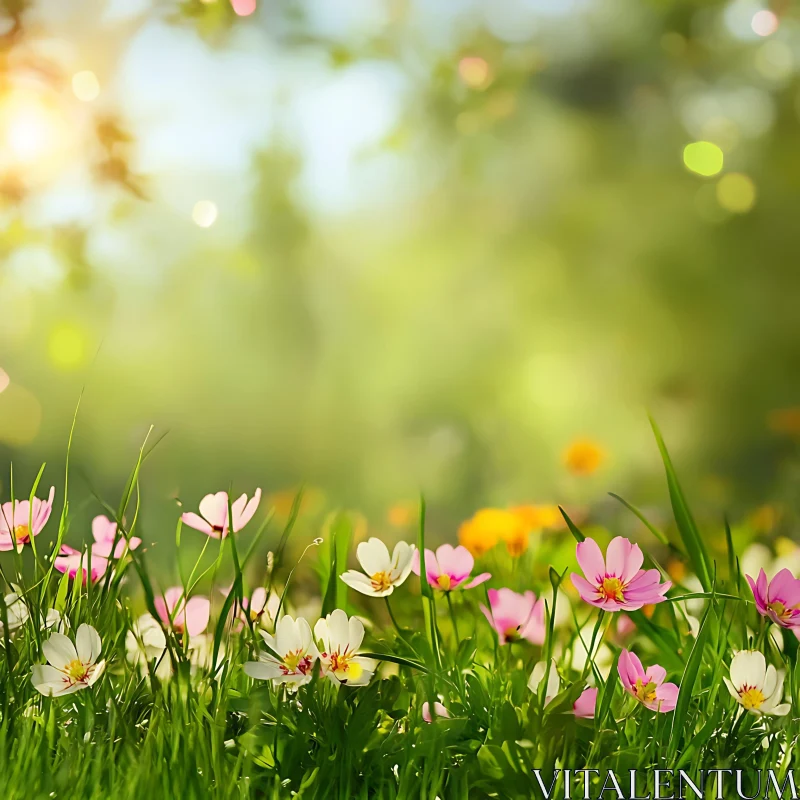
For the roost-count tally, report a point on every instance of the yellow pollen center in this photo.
(752, 698)
(646, 692)
(76, 670)
(254, 615)
(381, 581)
(444, 582)
(512, 634)
(779, 609)
(22, 533)
(611, 589)
(344, 668)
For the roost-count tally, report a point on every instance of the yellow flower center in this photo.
(254, 615)
(611, 589)
(779, 609)
(646, 692)
(296, 661)
(76, 670)
(444, 582)
(381, 581)
(512, 634)
(751, 697)
(22, 533)
(344, 668)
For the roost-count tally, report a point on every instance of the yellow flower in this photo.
(539, 517)
(583, 457)
(489, 525)
(676, 569)
(404, 514)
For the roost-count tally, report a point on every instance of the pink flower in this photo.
(585, 705)
(515, 616)
(438, 709)
(23, 519)
(618, 583)
(213, 517)
(104, 532)
(647, 687)
(780, 599)
(191, 617)
(74, 563)
(449, 568)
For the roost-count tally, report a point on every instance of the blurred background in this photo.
(384, 246)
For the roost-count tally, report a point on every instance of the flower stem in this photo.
(453, 618)
(395, 623)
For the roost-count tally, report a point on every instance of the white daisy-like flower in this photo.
(71, 666)
(383, 572)
(294, 645)
(758, 688)
(338, 640)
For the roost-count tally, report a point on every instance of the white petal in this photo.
(732, 690)
(781, 710)
(95, 673)
(401, 562)
(287, 639)
(748, 667)
(373, 556)
(338, 631)
(59, 650)
(323, 635)
(306, 638)
(356, 633)
(261, 670)
(360, 582)
(47, 679)
(87, 643)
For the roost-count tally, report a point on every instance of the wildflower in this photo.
(758, 688)
(73, 563)
(145, 641)
(438, 711)
(294, 646)
(104, 532)
(16, 611)
(383, 573)
(71, 666)
(213, 518)
(779, 600)
(449, 568)
(583, 457)
(175, 612)
(19, 521)
(539, 517)
(515, 616)
(618, 583)
(261, 609)
(586, 704)
(488, 526)
(648, 686)
(553, 681)
(338, 639)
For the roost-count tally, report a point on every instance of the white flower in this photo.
(54, 621)
(755, 686)
(338, 640)
(383, 572)
(72, 666)
(294, 646)
(553, 681)
(145, 641)
(16, 611)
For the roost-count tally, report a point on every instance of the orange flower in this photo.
(676, 569)
(489, 525)
(539, 517)
(583, 457)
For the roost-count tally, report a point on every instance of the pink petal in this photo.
(455, 561)
(666, 697)
(214, 509)
(623, 559)
(415, 562)
(585, 589)
(629, 668)
(785, 588)
(478, 579)
(656, 674)
(490, 619)
(198, 612)
(585, 705)
(534, 631)
(591, 560)
(103, 529)
(198, 523)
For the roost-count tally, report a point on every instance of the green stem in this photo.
(396, 623)
(453, 617)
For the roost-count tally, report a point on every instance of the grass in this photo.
(207, 730)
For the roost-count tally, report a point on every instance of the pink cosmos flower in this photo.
(74, 563)
(104, 532)
(191, 617)
(449, 568)
(648, 686)
(585, 705)
(213, 516)
(438, 709)
(779, 600)
(515, 616)
(617, 583)
(23, 519)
